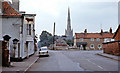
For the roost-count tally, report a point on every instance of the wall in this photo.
(12, 28)
(0, 28)
(27, 38)
(96, 43)
(0, 21)
(112, 48)
(89, 42)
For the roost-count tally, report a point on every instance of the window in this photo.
(92, 46)
(28, 29)
(107, 40)
(97, 39)
(99, 46)
(81, 39)
(92, 39)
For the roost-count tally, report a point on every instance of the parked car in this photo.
(43, 51)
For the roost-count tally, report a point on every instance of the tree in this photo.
(46, 39)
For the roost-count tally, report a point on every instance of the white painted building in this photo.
(19, 26)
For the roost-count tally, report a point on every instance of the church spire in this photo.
(69, 31)
(69, 20)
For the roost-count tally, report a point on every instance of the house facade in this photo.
(91, 41)
(20, 26)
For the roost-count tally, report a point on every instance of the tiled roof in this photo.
(93, 35)
(8, 9)
(117, 31)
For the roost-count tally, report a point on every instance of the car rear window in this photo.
(44, 49)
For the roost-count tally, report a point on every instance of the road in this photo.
(74, 61)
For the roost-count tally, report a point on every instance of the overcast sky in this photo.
(85, 14)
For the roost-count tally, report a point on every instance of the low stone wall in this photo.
(61, 47)
(112, 48)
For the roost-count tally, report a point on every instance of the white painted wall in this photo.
(29, 39)
(0, 21)
(0, 28)
(11, 27)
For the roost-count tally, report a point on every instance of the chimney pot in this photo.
(110, 30)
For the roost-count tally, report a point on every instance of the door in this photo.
(84, 47)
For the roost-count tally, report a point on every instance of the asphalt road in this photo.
(74, 61)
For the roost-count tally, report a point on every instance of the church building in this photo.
(69, 31)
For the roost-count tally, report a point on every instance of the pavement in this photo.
(113, 57)
(23, 65)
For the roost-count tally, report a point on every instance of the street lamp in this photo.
(15, 45)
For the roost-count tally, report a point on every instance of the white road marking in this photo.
(95, 64)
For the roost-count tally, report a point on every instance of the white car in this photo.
(43, 51)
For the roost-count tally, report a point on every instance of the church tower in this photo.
(69, 31)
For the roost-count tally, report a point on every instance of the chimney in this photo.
(101, 31)
(85, 32)
(15, 4)
(110, 30)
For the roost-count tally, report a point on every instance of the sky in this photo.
(85, 14)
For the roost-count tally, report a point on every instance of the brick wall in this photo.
(112, 48)
(89, 42)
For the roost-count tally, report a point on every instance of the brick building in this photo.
(60, 44)
(92, 41)
(113, 47)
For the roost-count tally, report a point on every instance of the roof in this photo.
(116, 31)
(60, 42)
(9, 10)
(93, 35)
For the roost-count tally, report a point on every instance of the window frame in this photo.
(100, 46)
(97, 39)
(91, 46)
(92, 39)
